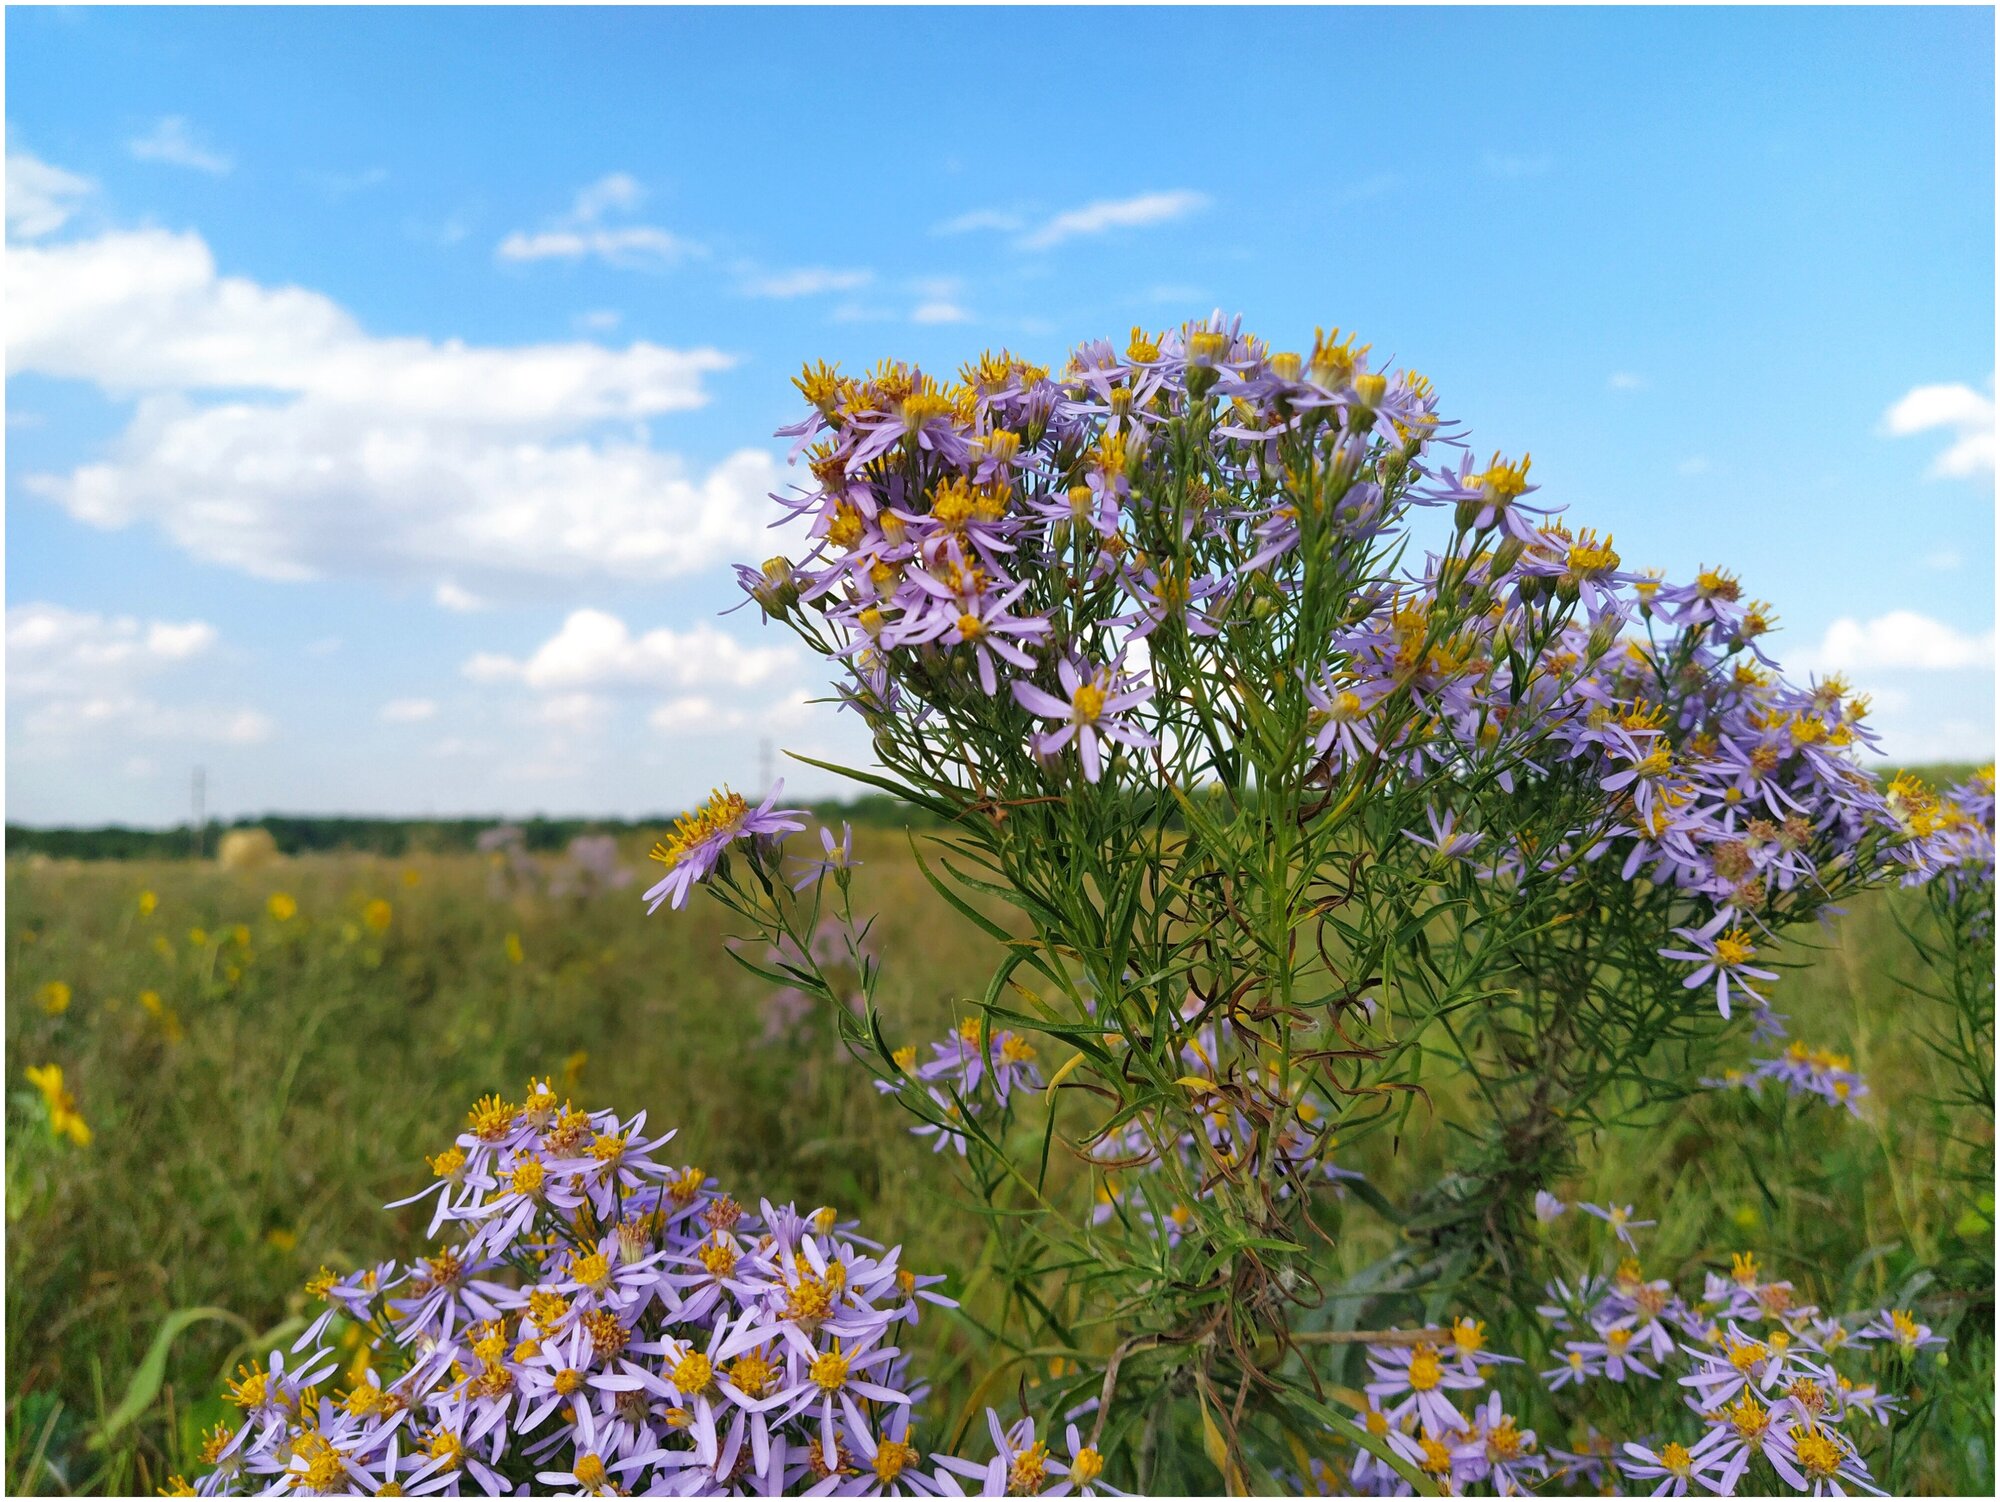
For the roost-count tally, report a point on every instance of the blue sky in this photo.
(388, 391)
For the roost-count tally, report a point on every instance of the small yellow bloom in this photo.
(160, 1012)
(282, 1239)
(198, 937)
(64, 1119)
(514, 952)
(573, 1069)
(282, 907)
(412, 876)
(54, 997)
(147, 902)
(378, 915)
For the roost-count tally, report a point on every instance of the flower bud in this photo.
(779, 591)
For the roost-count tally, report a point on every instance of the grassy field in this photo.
(260, 1075)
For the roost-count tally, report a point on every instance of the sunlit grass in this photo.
(263, 1057)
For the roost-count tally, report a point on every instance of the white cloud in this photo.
(979, 219)
(581, 233)
(1114, 213)
(351, 454)
(1958, 409)
(615, 190)
(1943, 559)
(172, 141)
(693, 712)
(939, 310)
(805, 281)
(77, 675)
(450, 597)
(595, 650)
(578, 711)
(1902, 640)
(409, 711)
(636, 245)
(599, 320)
(41, 199)
(1625, 380)
(1694, 464)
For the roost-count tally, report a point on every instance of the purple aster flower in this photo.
(1097, 698)
(1619, 1218)
(700, 839)
(1498, 1452)
(1721, 956)
(1672, 1466)
(1448, 842)
(839, 857)
(1417, 1380)
(1900, 1329)
(1818, 1460)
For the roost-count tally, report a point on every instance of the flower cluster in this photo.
(1962, 818)
(971, 1071)
(1015, 547)
(601, 1321)
(1748, 1389)
(1815, 1073)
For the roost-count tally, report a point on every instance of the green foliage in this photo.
(302, 1093)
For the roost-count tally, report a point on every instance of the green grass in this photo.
(319, 1060)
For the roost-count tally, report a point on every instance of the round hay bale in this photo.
(246, 849)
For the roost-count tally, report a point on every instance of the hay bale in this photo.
(246, 850)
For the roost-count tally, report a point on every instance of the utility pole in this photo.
(200, 808)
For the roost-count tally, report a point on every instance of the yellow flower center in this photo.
(694, 1373)
(1425, 1370)
(1029, 1472)
(829, 1369)
(892, 1458)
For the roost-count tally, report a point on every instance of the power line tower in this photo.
(200, 808)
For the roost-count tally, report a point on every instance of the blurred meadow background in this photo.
(264, 1056)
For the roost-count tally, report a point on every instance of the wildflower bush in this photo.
(1300, 770)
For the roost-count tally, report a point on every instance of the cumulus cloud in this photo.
(41, 199)
(1901, 640)
(693, 713)
(595, 650)
(172, 141)
(274, 435)
(1963, 413)
(581, 234)
(1114, 213)
(409, 711)
(74, 674)
(449, 596)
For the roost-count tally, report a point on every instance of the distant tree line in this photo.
(305, 834)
